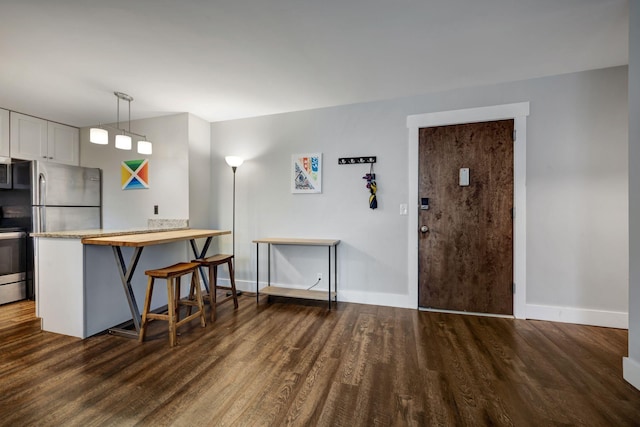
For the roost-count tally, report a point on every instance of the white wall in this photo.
(168, 173)
(577, 205)
(632, 363)
(179, 183)
(200, 201)
(577, 194)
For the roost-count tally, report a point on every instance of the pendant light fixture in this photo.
(123, 141)
(145, 147)
(99, 136)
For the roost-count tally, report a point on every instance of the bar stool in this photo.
(173, 274)
(212, 263)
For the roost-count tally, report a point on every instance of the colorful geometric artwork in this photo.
(306, 172)
(135, 174)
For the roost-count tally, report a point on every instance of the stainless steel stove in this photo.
(13, 264)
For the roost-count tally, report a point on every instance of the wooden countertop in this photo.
(296, 241)
(153, 238)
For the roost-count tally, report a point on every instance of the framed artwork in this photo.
(135, 174)
(306, 173)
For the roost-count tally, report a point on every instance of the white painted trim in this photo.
(631, 371)
(581, 316)
(376, 298)
(469, 115)
(241, 285)
(519, 113)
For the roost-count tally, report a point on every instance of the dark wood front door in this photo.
(466, 234)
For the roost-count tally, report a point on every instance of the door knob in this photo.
(424, 229)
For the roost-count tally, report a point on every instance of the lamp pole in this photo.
(233, 230)
(234, 162)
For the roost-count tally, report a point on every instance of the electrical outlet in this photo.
(319, 276)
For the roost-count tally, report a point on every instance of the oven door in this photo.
(13, 266)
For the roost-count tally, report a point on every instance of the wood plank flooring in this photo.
(293, 362)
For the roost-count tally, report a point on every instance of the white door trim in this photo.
(519, 113)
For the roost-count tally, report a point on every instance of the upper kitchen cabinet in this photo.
(63, 144)
(28, 137)
(37, 139)
(4, 133)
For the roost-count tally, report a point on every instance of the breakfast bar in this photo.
(139, 242)
(77, 279)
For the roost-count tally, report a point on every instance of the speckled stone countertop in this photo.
(81, 234)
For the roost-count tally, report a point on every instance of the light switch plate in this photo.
(464, 177)
(403, 209)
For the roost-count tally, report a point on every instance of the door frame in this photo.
(519, 113)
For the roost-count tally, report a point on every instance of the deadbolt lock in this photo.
(424, 229)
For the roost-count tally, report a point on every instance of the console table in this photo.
(298, 293)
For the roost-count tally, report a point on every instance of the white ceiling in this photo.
(226, 59)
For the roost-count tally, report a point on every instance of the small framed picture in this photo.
(306, 173)
(135, 174)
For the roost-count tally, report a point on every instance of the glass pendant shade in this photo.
(234, 161)
(123, 142)
(145, 147)
(99, 136)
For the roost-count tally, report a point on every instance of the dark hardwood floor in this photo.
(295, 363)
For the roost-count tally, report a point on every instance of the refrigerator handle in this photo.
(42, 187)
(37, 219)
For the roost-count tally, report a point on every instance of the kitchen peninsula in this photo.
(79, 284)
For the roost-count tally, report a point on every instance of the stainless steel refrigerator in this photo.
(65, 197)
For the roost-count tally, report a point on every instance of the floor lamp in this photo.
(234, 162)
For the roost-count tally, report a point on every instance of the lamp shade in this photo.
(145, 147)
(123, 142)
(99, 136)
(234, 161)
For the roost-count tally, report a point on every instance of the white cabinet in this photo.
(37, 139)
(28, 137)
(4, 133)
(63, 144)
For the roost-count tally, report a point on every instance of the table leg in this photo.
(199, 255)
(125, 276)
(329, 290)
(335, 272)
(257, 272)
(269, 265)
(269, 270)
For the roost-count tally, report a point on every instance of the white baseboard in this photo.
(241, 285)
(631, 371)
(581, 316)
(376, 298)
(609, 319)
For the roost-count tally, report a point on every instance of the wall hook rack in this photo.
(356, 160)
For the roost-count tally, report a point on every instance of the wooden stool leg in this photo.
(171, 312)
(233, 284)
(176, 296)
(191, 295)
(212, 291)
(196, 283)
(145, 309)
